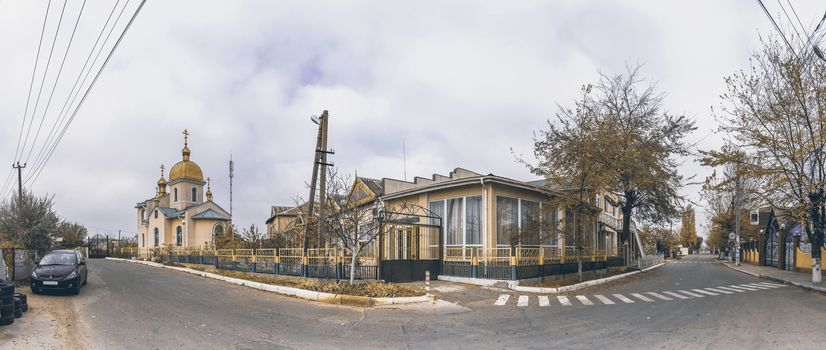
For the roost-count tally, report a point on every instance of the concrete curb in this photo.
(514, 285)
(771, 278)
(338, 299)
(573, 287)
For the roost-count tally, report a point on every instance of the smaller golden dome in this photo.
(162, 182)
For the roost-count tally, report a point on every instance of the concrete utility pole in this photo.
(19, 179)
(737, 216)
(320, 158)
(231, 175)
(322, 196)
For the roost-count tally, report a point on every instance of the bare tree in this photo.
(569, 155)
(252, 236)
(646, 143)
(353, 227)
(775, 115)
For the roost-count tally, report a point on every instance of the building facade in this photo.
(181, 214)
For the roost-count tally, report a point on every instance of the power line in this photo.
(790, 20)
(56, 80)
(6, 184)
(89, 89)
(777, 27)
(31, 83)
(63, 111)
(43, 80)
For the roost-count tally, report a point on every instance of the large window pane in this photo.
(437, 208)
(473, 220)
(530, 223)
(507, 224)
(453, 227)
(549, 225)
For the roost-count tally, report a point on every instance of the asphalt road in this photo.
(131, 306)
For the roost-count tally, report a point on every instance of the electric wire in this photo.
(6, 185)
(777, 27)
(62, 113)
(794, 27)
(56, 80)
(91, 85)
(43, 80)
(31, 83)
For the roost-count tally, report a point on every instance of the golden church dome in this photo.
(186, 169)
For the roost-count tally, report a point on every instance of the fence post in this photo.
(513, 267)
(562, 255)
(474, 267)
(304, 265)
(541, 256)
(254, 261)
(277, 264)
(338, 267)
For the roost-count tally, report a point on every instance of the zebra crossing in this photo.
(631, 298)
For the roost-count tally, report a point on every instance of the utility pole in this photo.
(737, 215)
(322, 196)
(231, 175)
(19, 179)
(319, 158)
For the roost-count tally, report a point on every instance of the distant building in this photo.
(181, 214)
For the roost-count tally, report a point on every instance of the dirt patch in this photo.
(51, 323)
(570, 279)
(369, 289)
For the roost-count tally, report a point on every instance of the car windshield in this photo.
(59, 259)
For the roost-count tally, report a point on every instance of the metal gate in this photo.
(99, 246)
(771, 248)
(409, 244)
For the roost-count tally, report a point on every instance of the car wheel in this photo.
(76, 291)
(35, 291)
(85, 278)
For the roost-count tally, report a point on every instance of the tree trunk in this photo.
(626, 223)
(816, 237)
(578, 235)
(353, 260)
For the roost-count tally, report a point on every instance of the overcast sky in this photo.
(461, 82)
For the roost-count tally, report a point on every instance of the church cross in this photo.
(186, 136)
(162, 170)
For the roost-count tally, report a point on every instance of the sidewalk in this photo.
(800, 279)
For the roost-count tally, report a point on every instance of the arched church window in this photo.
(156, 237)
(194, 192)
(143, 240)
(175, 194)
(156, 213)
(179, 236)
(218, 229)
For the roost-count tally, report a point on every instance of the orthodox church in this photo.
(178, 215)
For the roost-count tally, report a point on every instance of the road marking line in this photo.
(758, 286)
(563, 300)
(623, 298)
(503, 299)
(584, 300)
(690, 293)
(679, 296)
(543, 301)
(751, 289)
(731, 289)
(522, 301)
(658, 295)
(604, 299)
(719, 290)
(642, 297)
(704, 292)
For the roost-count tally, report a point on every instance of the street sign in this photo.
(731, 244)
(731, 235)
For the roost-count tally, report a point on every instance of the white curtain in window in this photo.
(473, 220)
(453, 227)
(507, 224)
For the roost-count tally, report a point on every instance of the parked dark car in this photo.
(60, 270)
